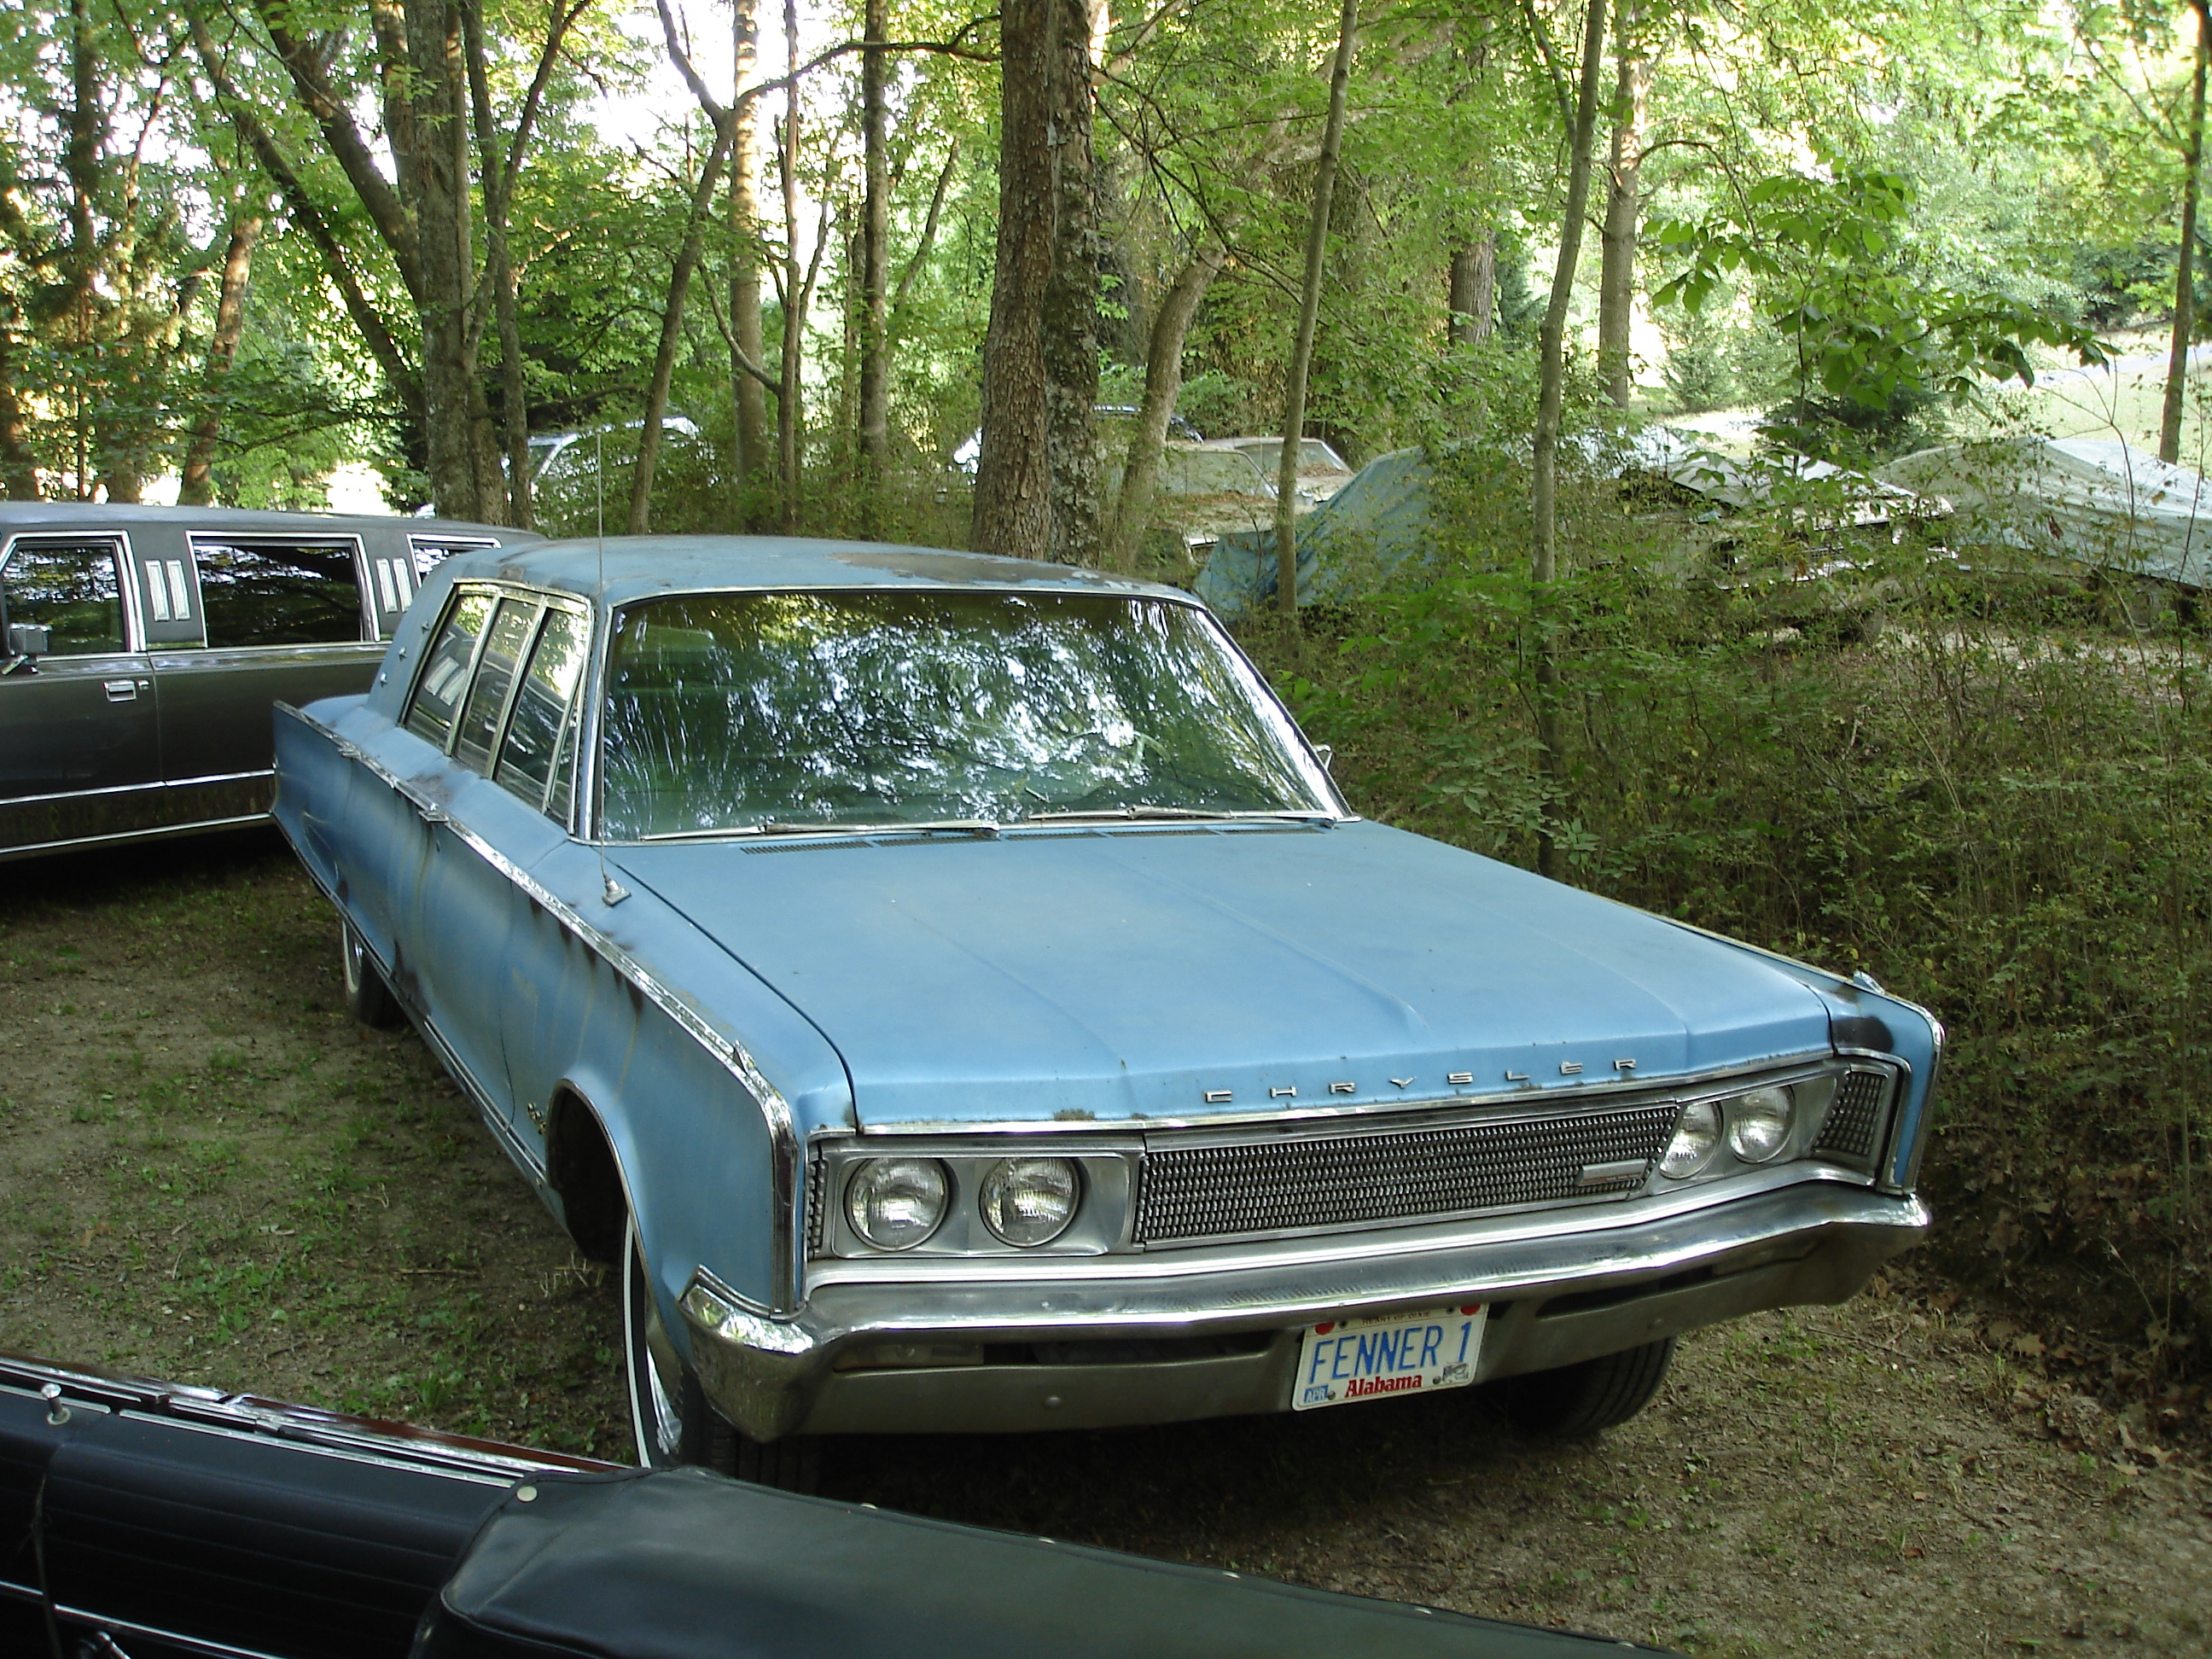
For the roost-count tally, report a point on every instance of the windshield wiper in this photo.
(781, 827)
(1164, 814)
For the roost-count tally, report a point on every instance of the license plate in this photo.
(1350, 1359)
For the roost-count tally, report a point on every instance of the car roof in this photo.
(622, 569)
(121, 515)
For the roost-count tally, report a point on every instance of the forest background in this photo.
(777, 266)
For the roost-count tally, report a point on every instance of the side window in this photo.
(277, 593)
(446, 669)
(542, 705)
(431, 551)
(69, 587)
(495, 665)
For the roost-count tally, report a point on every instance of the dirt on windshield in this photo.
(208, 1173)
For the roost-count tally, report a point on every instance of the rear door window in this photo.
(504, 644)
(69, 587)
(446, 670)
(543, 706)
(279, 591)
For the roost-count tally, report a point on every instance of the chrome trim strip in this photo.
(787, 1173)
(1573, 1096)
(139, 789)
(126, 838)
(108, 1624)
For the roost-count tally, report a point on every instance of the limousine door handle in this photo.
(123, 690)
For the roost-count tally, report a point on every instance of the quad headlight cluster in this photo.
(1756, 1125)
(896, 1203)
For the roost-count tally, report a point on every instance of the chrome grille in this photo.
(1855, 1119)
(1222, 1191)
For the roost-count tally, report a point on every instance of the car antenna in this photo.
(612, 891)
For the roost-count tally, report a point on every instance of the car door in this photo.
(80, 753)
(284, 618)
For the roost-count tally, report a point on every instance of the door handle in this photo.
(121, 690)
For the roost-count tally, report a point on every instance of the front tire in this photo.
(671, 1419)
(368, 998)
(1574, 1401)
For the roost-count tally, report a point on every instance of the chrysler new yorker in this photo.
(954, 994)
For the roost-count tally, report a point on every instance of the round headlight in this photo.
(1028, 1201)
(1696, 1138)
(897, 1202)
(1759, 1124)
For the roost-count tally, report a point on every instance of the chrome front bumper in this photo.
(1556, 1299)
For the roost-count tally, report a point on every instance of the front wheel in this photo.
(368, 998)
(670, 1416)
(1575, 1400)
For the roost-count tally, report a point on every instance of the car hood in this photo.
(1125, 976)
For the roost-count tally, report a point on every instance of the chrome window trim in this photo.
(1274, 712)
(550, 599)
(128, 576)
(786, 1177)
(363, 587)
(497, 734)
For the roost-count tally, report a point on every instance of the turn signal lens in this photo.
(1028, 1201)
(897, 1202)
(1697, 1137)
(1759, 1124)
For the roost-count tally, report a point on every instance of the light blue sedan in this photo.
(954, 994)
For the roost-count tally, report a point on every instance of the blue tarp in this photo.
(1365, 531)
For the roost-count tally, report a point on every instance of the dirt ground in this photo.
(207, 1172)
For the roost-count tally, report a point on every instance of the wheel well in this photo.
(581, 1167)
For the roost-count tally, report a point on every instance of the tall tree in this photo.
(1294, 401)
(1616, 296)
(2185, 274)
(1552, 384)
(1035, 488)
(196, 478)
(875, 268)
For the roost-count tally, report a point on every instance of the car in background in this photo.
(1321, 470)
(143, 647)
(1116, 421)
(953, 994)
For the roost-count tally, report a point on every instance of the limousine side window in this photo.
(277, 593)
(446, 668)
(69, 587)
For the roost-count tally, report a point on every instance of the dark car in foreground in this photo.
(954, 993)
(142, 648)
(149, 1520)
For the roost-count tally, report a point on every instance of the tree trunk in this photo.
(196, 487)
(750, 396)
(875, 275)
(2184, 275)
(1133, 513)
(440, 180)
(1294, 411)
(19, 475)
(1013, 474)
(1071, 302)
(1473, 291)
(1616, 301)
(640, 520)
(787, 406)
(1544, 568)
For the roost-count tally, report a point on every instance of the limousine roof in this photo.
(18, 516)
(622, 569)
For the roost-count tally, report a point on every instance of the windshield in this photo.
(752, 711)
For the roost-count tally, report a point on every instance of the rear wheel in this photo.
(1575, 1400)
(368, 998)
(670, 1416)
